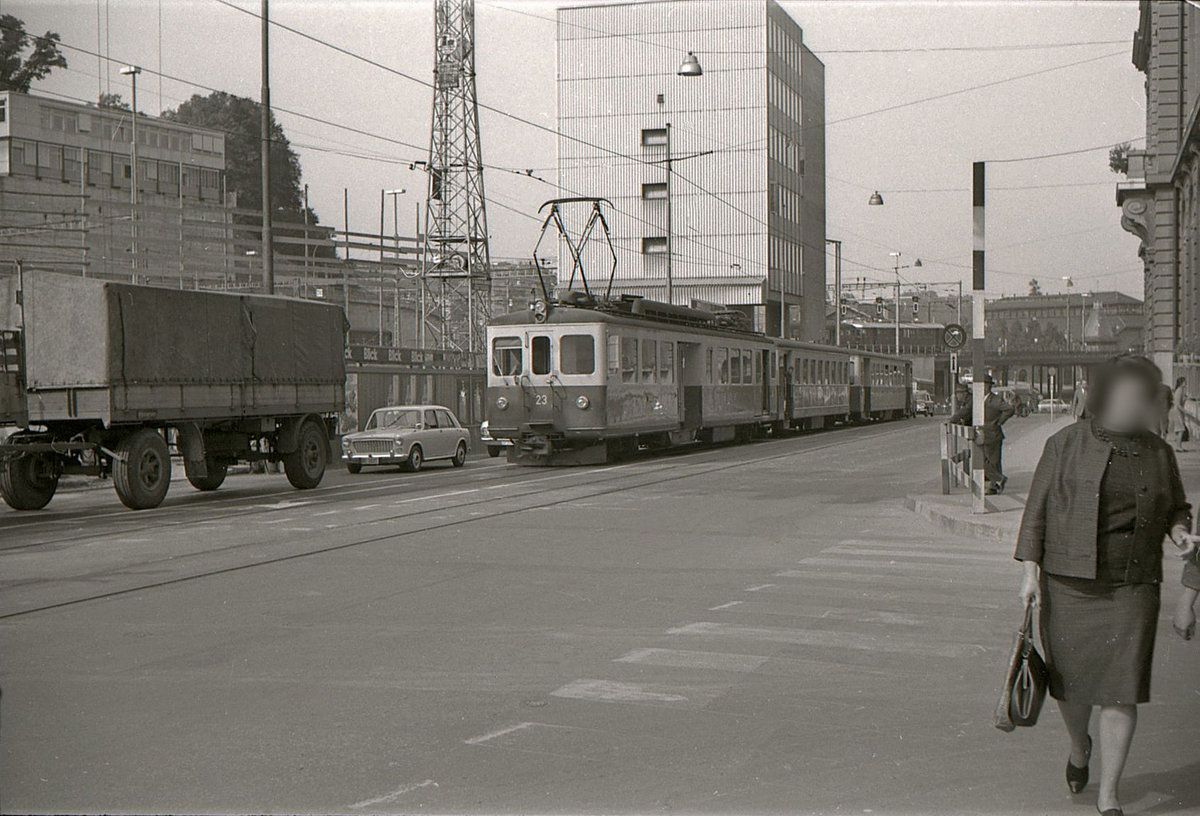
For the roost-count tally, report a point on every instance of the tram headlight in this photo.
(502, 403)
(582, 402)
(540, 309)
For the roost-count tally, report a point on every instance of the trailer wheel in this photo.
(306, 465)
(142, 472)
(28, 482)
(213, 479)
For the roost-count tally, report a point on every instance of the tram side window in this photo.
(649, 361)
(506, 356)
(723, 365)
(614, 355)
(735, 366)
(577, 354)
(804, 377)
(757, 366)
(629, 359)
(708, 365)
(539, 354)
(666, 362)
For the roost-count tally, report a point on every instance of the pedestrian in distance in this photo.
(1179, 428)
(995, 413)
(1162, 405)
(1079, 401)
(1105, 494)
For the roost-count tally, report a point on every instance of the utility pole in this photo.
(268, 243)
(132, 72)
(670, 223)
(395, 194)
(837, 290)
(978, 371)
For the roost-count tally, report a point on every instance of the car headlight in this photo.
(501, 402)
(345, 443)
(582, 402)
(397, 443)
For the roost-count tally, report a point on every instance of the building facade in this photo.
(1160, 200)
(66, 170)
(726, 170)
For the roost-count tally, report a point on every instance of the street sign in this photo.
(954, 362)
(954, 336)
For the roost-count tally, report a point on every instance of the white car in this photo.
(1056, 405)
(494, 446)
(408, 436)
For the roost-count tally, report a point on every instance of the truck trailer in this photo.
(111, 379)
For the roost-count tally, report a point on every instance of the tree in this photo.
(112, 101)
(1035, 288)
(239, 117)
(1118, 158)
(18, 70)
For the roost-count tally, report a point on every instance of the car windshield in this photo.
(394, 418)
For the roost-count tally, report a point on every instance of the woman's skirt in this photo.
(1099, 639)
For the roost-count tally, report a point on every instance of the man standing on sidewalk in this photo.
(995, 413)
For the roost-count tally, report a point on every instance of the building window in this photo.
(654, 191)
(3, 110)
(656, 245)
(654, 137)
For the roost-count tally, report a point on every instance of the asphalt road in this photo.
(746, 629)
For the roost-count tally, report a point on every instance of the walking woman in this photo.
(1179, 428)
(1105, 494)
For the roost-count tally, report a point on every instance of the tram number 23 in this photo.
(541, 399)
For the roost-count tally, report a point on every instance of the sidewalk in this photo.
(1022, 449)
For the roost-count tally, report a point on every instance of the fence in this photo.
(956, 456)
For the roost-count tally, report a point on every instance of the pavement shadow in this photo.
(1177, 789)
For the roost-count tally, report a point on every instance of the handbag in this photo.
(1024, 689)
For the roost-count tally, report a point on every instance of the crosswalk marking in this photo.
(609, 691)
(831, 639)
(677, 658)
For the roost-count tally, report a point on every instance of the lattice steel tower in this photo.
(456, 260)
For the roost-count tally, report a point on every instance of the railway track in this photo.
(512, 495)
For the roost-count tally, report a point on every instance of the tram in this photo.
(583, 378)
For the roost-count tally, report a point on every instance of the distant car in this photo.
(923, 403)
(494, 446)
(1056, 405)
(407, 436)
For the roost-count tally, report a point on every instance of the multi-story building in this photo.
(1160, 201)
(717, 180)
(65, 201)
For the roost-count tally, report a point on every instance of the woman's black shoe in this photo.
(1077, 778)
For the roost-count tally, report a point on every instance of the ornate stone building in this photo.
(1160, 200)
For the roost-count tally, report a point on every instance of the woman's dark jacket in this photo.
(1059, 528)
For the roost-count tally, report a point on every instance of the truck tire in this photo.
(306, 465)
(214, 478)
(28, 482)
(142, 472)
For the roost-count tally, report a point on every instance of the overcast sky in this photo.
(1085, 94)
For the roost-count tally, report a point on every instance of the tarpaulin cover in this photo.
(84, 332)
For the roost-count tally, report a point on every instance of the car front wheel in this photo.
(416, 458)
(460, 455)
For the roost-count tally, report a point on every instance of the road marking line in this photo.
(759, 588)
(394, 795)
(681, 659)
(608, 691)
(723, 606)
(491, 735)
(365, 507)
(891, 564)
(833, 640)
(946, 556)
(328, 512)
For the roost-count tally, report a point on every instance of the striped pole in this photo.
(978, 370)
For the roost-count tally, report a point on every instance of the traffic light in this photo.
(916, 306)
(879, 307)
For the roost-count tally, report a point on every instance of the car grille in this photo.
(371, 445)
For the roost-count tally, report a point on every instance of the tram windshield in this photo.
(506, 356)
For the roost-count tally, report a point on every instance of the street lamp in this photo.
(132, 72)
(690, 66)
(876, 200)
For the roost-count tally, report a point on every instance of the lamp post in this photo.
(132, 72)
(268, 243)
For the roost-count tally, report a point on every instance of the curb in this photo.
(986, 530)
